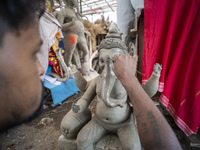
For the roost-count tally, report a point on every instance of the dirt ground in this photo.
(44, 131)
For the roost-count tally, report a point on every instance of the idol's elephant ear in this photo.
(95, 62)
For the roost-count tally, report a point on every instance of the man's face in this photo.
(20, 86)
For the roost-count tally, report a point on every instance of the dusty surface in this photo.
(43, 132)
(39, 134)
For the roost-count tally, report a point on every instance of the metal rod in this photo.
(89, 6)
(81, 6)
(109, 6)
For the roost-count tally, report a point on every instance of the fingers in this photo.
(123, 59)
(118, 56)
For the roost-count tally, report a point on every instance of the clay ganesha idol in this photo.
(113, 114)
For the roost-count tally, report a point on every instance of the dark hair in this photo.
(18, 14)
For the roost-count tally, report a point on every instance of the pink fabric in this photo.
(172, 38)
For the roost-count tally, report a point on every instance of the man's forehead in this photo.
(29, 36)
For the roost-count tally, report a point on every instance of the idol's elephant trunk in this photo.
(108, 80)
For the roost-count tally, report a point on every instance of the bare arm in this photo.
(154, 131)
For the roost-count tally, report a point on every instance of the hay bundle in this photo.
(94, 29)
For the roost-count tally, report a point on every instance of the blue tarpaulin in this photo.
(61, 92)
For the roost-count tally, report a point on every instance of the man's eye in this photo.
(34, 56)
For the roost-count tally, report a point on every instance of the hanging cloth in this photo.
(172, 38)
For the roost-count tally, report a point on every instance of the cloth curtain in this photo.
(48, 26)
(172, 38)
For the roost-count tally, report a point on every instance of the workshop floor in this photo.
(43, 132)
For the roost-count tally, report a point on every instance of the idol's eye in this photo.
(111, 59)
(101, 61)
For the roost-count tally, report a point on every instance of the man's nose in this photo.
(40, 68)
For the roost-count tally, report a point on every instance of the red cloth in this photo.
(172, 38)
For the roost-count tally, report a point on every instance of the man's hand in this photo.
(125, 67)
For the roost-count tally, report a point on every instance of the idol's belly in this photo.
(113, 115)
